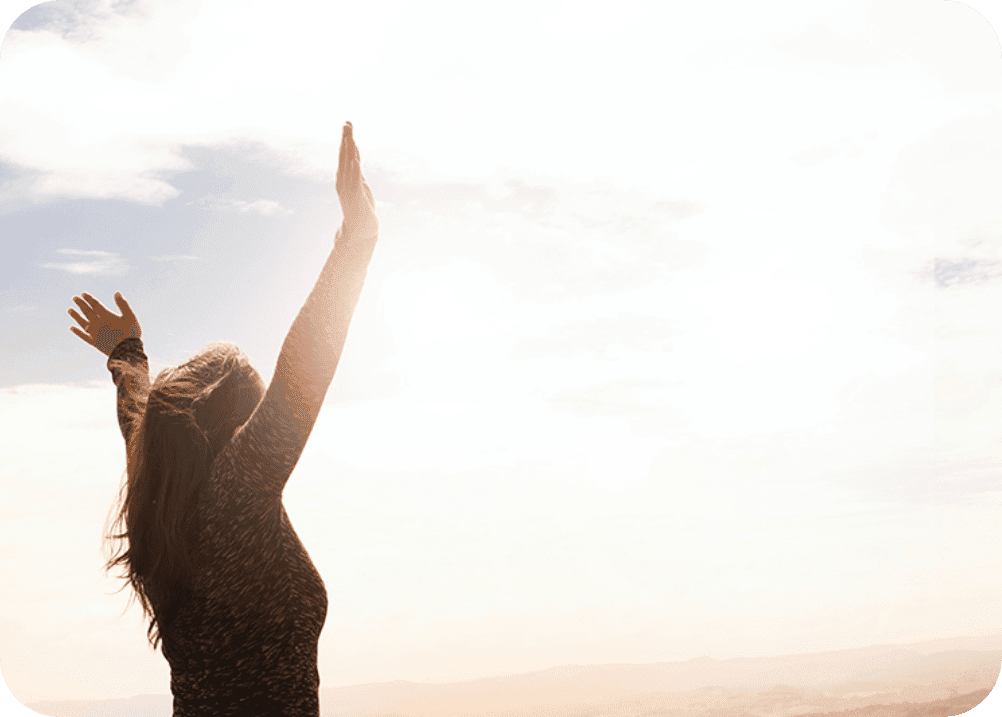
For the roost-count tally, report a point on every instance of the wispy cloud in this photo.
(264, 207)
(965, 271)
(21, 309)
(174, 257)
(93, 262)
(157, 69)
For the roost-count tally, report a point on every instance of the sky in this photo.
(679, 338)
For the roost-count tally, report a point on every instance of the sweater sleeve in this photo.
(130, 370)
(266, 449)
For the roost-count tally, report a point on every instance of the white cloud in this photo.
(264, 207)
(631, 92)
(21, 309)
(97, 263)
(174, 257)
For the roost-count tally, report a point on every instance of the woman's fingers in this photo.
(350, 156)
(82, 335)
(78, 318)
(348, 171)
(357, 201)
(90, 300)
(342, 159)
(123, 306)
(98, 307)
(87, 309)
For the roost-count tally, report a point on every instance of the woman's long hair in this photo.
(191, 413)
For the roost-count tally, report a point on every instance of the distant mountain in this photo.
(788, 685)
(141, 706)
(940, 708)
(919, 680)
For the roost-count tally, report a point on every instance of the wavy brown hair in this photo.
(191, 413)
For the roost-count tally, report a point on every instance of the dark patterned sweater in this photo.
(245, 639)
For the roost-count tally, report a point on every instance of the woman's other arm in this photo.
(131, 372)
(270, 443)
(119, 338)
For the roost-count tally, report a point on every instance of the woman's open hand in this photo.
(357, 204)
(103, 329)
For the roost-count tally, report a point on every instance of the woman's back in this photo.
(245, 637)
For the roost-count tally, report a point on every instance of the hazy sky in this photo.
(681, 336)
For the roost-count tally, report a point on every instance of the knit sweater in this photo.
(245, 639)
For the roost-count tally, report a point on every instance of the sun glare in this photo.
(449, 321)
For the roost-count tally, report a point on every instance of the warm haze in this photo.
(681, 338)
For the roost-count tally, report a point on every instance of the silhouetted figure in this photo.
(204, 540)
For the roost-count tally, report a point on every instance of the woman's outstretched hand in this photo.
(103, 329)
(357, 204)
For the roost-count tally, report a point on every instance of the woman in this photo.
(229, 590)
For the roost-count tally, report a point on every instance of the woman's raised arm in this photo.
(118, 337)
(268, 446)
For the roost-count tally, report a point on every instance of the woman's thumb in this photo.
(123, 304)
